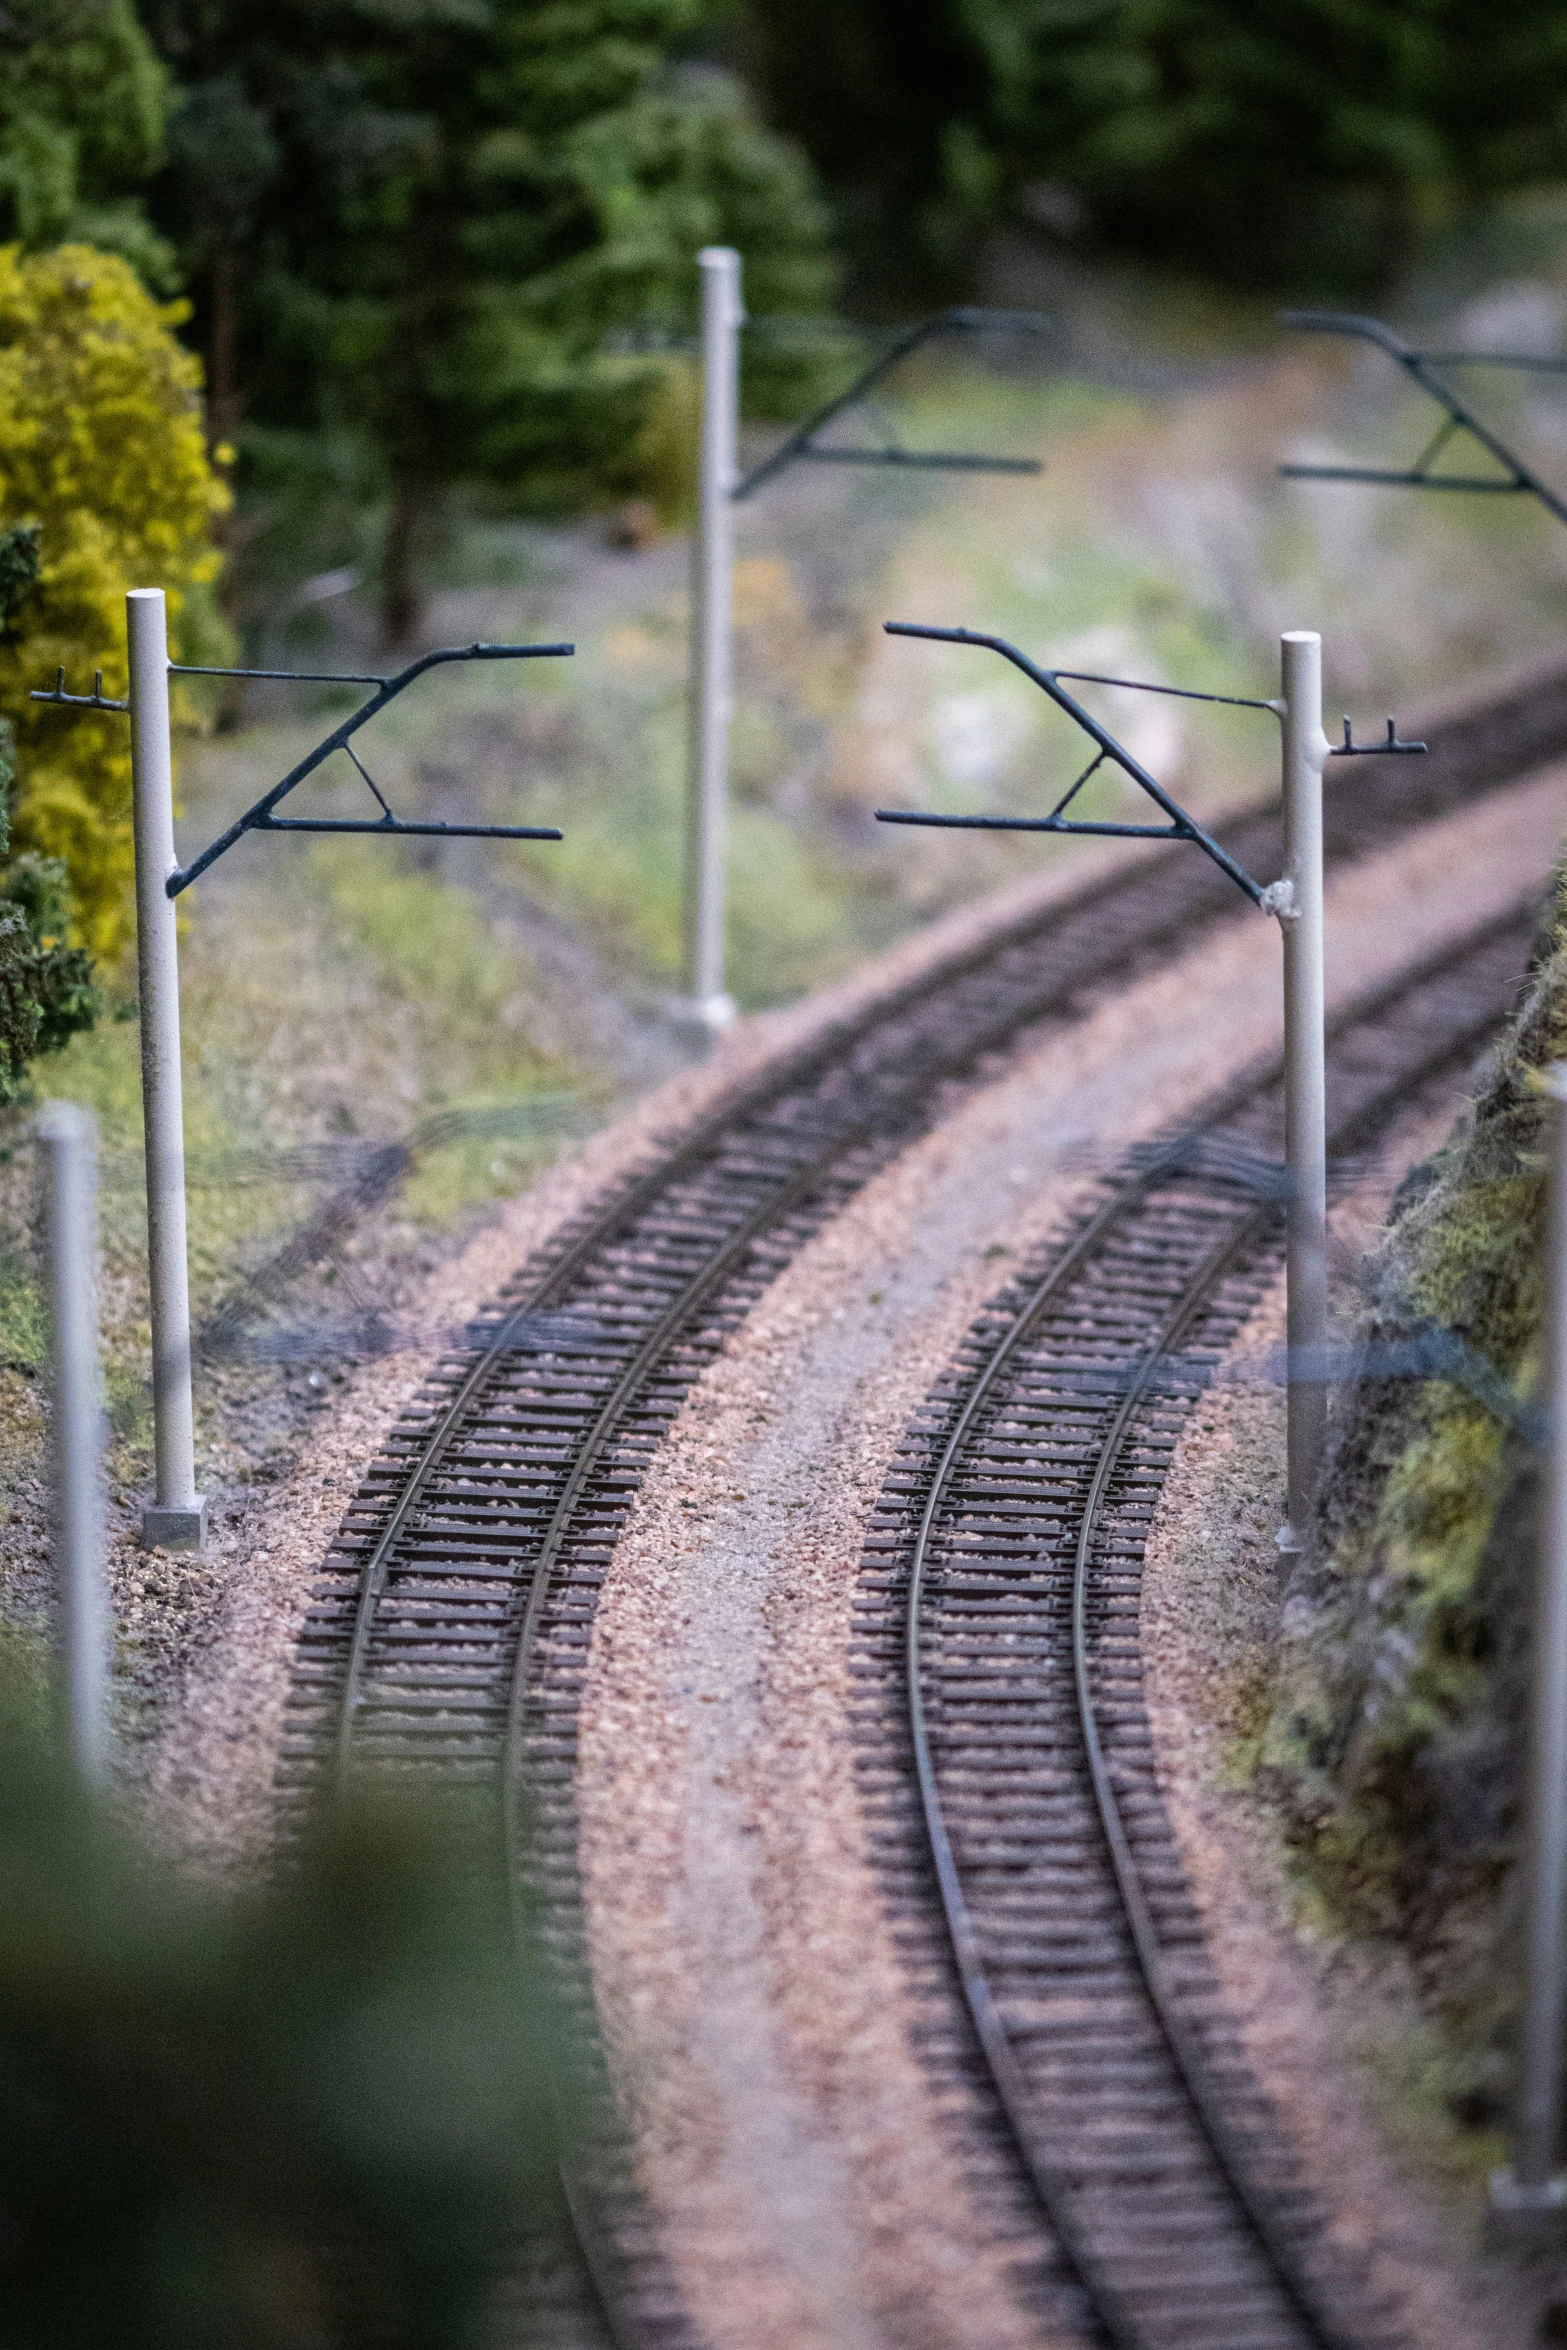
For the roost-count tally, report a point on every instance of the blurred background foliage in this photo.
(46, 990)
(1292, 145)
(82, 101)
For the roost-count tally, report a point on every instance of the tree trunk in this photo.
(402, 598)
(225, 406)
(223, 400)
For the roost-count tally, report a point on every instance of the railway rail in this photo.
(1005, 1756)
(450, 1628)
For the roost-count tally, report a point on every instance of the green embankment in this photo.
(1395, 1737)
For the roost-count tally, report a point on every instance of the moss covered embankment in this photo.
(1395, 1740)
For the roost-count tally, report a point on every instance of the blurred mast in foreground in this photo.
(68, 1139)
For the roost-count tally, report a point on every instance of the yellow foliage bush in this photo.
(101, 444)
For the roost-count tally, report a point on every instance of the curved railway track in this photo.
(1072, 2017)
(450, 1628)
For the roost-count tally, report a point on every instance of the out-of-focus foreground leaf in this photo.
(311, 2115)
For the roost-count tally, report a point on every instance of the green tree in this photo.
(82, 98)
(890, 98)
(1304, 142)
(443, 215)
(46, 990)
(557, 191)
(224, 160)
(101, 445)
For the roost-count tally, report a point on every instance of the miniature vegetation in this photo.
(1251, 142)
(413, 235)
(46, 990)
(1396, 1735)
(102, 451)
(82, 98)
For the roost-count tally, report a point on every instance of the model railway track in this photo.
(450, 1629)
(1072, 2016)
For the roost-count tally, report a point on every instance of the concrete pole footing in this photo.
(176, 1529)
(1526, 2216)
(703, 1017)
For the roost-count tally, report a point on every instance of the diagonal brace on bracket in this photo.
(371, 781)
(260, 817)
(1179, 825)
(1515, 478)
(803, 446)
(1072, 790)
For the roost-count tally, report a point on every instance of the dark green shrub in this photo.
(46, 989)
(313, 2115)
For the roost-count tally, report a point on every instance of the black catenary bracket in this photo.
(1515, 477)
(1180, 826)
(803, 446)
(260, 818)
